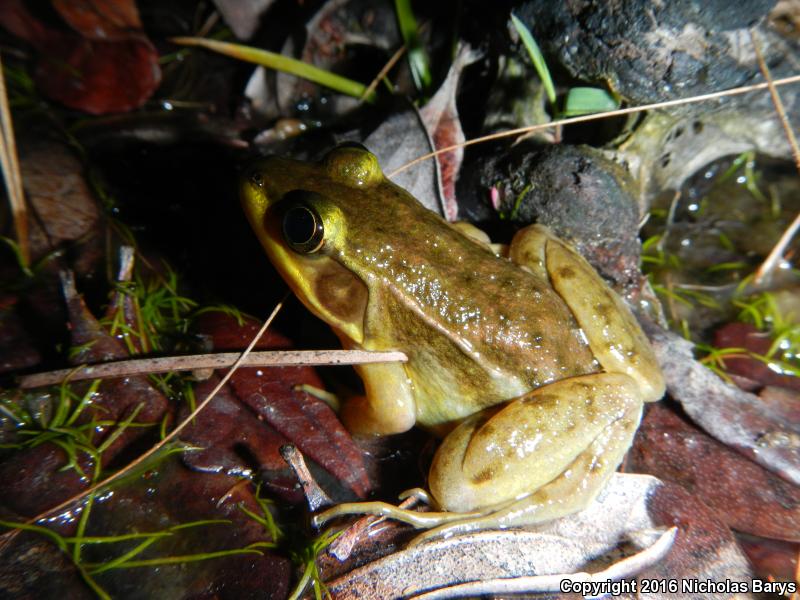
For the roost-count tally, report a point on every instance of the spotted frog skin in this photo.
(532, 370)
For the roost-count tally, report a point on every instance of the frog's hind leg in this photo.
(569, 492)
(537, 458)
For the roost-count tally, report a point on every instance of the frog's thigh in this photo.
(570, 492)
(501, 455)
(614, 336)
(388, 406)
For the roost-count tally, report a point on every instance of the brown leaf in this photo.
(741, 493)
(441, 119)
(235, 441)
(734, 417)
(303, 419)
(100, 19)
(771, 558)
(33, 479)
(97, 76)
(65, 208)
(705, 548)
(747, 336)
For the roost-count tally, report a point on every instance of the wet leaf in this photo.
(100, 19)
(233, 440)
(747, 336)
(734, 417)
(440, 116)
(97, 75)
(35, 478)
(744, 495)
(273, 394)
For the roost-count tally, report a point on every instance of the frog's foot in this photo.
(568, 493)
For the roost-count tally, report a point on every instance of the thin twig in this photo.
(220, 360)
(605, 115)
(168, 438)
(776, 254)
(12, 177)
(623, 569)
(383, 72)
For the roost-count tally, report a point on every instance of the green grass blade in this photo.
(123, 559)
(56, 539)
(588, 100)
(536, 57)
(286, 64)
(172, 560)
(417, 57)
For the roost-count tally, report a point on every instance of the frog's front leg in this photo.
(387, 407)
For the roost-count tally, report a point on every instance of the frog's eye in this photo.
(303, 229)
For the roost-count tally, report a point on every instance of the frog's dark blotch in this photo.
(540, 496)
(566, 272)
(605, 312)
(484, 476)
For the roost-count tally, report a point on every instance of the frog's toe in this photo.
(420, 520)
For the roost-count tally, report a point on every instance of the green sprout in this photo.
(306, 557)
(417, 57)
(265, 519)
(286, 64)
(72, 547)
(55, 421)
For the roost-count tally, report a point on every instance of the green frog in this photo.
(531, 369)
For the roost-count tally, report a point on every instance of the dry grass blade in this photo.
(168, 438)
(383, 72)
(776, 253)
(11, 174)
(584, 118)
(149, 366)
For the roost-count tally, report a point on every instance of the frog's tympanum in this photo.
(532, 369)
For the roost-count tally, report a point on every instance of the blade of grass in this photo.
(286, 64)
(168, 560)
(589, 100)
(536, 58)
(417, 57)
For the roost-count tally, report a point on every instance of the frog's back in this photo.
(474, 325)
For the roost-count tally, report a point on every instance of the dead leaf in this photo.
(734, 417)
(400, 139)
(97, 75)
(273, 395)
(742, 494)
(243, 16)
(747, 336)
(442, 122)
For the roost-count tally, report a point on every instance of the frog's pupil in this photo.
(302, 228)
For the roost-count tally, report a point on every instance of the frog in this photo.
(530, 368)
